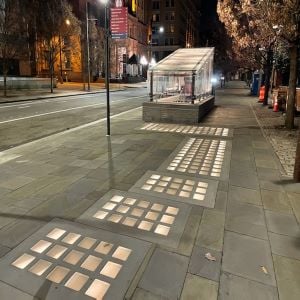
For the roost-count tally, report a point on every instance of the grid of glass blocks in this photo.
(140, 214)
(200, 156)
(174, 186)
(187, 129)
(80, 263)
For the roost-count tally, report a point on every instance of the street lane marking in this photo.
(13, 149)
(61, 101)
(63, 110)
(24, 107)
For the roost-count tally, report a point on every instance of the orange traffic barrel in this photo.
(261, 94)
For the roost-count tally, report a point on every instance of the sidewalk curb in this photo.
(58, 96)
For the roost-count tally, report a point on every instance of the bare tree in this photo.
(55, 23)
(12, 35)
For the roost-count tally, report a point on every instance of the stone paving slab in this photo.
(276, 201)
(9, 292)
(165, 274)
(235, 288)
(287, 274)
(244, 195)
(188, 129)
(208, 158)
(3, 250)
(141, 294)
(284, 245)
(65, 260)
(152, 219)
(201, 266)
(211, 230)
(294, 200)
(180, 188)
(282, 224)
(198, 288)
(246, 219)
(244, 179)
(245, 256)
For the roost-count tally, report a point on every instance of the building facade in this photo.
(172, 25)
(125, 54)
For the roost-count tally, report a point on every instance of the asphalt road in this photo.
(31, 120)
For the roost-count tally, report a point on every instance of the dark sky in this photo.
(207, 7)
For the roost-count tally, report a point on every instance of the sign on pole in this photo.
(119, 22)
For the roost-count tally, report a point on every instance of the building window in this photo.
(154, 42)
(66, 41)
(171, 41)
(45, 60)
(67, 60)
(172, 15)
(171, 3)
(155, 5)
(166, 42)
(155, 17)
(172, 28)
(167, 3)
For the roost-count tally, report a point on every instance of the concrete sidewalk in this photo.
(65, 90)
(152, 212)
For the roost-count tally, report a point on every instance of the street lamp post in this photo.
(88, 44)
(107, 67)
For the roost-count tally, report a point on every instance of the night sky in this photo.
(208, 7)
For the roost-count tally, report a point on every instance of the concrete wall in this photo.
(177, 112)
(26, 83)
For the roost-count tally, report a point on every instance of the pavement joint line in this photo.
(66, 131)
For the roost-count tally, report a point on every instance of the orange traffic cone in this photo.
(275, 107)
(261, 94)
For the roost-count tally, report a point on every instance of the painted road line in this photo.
(58, 100)
(60, 111)
(15, 150)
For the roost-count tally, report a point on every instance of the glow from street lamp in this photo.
(153, 62)
(104, 1)
(161, 29)
(143, 60)
(68, 22)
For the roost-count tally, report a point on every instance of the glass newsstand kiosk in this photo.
(180, 87)
(183, 76)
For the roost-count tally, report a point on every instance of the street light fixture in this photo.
(152, 60)
(68, 23)
(106, 3)
(161, 29)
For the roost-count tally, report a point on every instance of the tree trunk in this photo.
(5, 71)
(5, 83)
(297, 162)
(51, 69)
(290, 110)
(268, 70)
